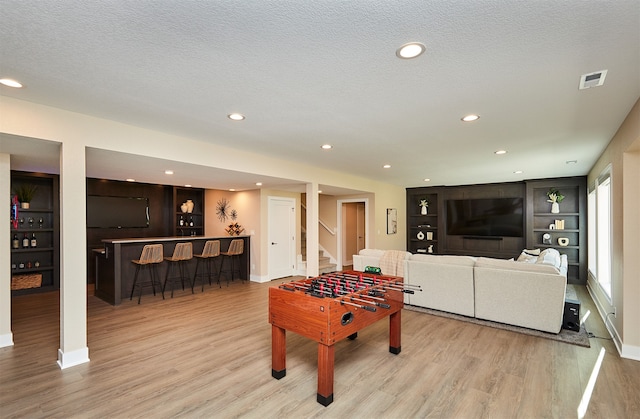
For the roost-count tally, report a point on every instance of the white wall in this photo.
(621, 153)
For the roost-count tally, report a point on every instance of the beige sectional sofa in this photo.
(446, 282)
(523, 294)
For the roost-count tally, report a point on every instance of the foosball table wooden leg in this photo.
(278, 352)
(326, 357)
(395, 326)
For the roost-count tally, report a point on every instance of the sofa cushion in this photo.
(515, 266)
(445, 259)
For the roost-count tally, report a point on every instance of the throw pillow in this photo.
(549, 257)
(529, 256)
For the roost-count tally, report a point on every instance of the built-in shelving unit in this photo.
(422, 234)
(188, 223)
(565, 230)
(39, 225)
(569, 224)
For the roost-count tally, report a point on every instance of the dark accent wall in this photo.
(502, 247)
(160, 214)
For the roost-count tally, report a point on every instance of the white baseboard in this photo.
(6, 340)
(72, 358)
(611, 328)
(630, 352)
(259, 278)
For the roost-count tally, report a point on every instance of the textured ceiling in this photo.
(309, 73)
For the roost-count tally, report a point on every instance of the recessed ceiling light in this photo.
(258, 183)
(131, 180)
(410, 50)
(470, 118)
(517, 172)
(319, 191)
(235, 116)
(187, 186)
(571, 162)
(232, 190)
(499, 152)
(11, 83)
(168, 172)
(427, 180)
(327, 146)
(387, 166)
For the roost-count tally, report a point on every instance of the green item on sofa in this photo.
(372, 270)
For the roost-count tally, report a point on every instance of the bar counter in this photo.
(114, 270)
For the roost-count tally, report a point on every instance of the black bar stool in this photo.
(182, 254)
(150, 257)
(208, 256)
(236, 248)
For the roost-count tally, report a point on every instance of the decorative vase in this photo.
(24, 205)
(555, 208)
(189, 205)
(183, 207)
(423, 211)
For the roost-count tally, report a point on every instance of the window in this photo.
(591, 233)
(599, 236)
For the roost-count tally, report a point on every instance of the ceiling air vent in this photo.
(592, 79)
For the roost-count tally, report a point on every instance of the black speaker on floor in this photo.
(571, 318)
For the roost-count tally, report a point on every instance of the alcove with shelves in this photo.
(565, 230)
(35, 235)
(188, 223)
(422, 234)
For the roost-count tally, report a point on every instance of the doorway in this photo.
(353, 224)
(281, 237)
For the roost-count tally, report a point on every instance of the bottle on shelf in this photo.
(25, 241)
(181, 222)
(34, 242)
(15, 243)
(190, 221)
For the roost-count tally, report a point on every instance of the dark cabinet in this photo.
(35, 235)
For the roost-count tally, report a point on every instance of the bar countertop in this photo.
(168, 239)
(115, 272)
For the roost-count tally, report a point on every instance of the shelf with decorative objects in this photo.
(189, 211)
(422, 210)
(556, 218)
(34, 232)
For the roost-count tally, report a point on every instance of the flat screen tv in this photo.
(499, 217)
(117, 212)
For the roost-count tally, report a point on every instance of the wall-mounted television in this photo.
(117, 212)
(498, 217)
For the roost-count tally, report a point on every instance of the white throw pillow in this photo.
(549, 257)
(529, 255)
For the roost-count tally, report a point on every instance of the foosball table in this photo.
(329, 308)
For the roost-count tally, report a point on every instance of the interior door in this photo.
(360, 229)
(281, 236)
(353, 227)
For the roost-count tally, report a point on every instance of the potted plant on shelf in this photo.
(25, 193)
(424, 204)
(555, 197)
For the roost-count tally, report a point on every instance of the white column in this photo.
(73, 257)
(6, 336)
(313, 233)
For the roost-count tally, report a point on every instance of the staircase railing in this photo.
(322, 223)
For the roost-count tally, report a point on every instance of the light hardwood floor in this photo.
(209, 355)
